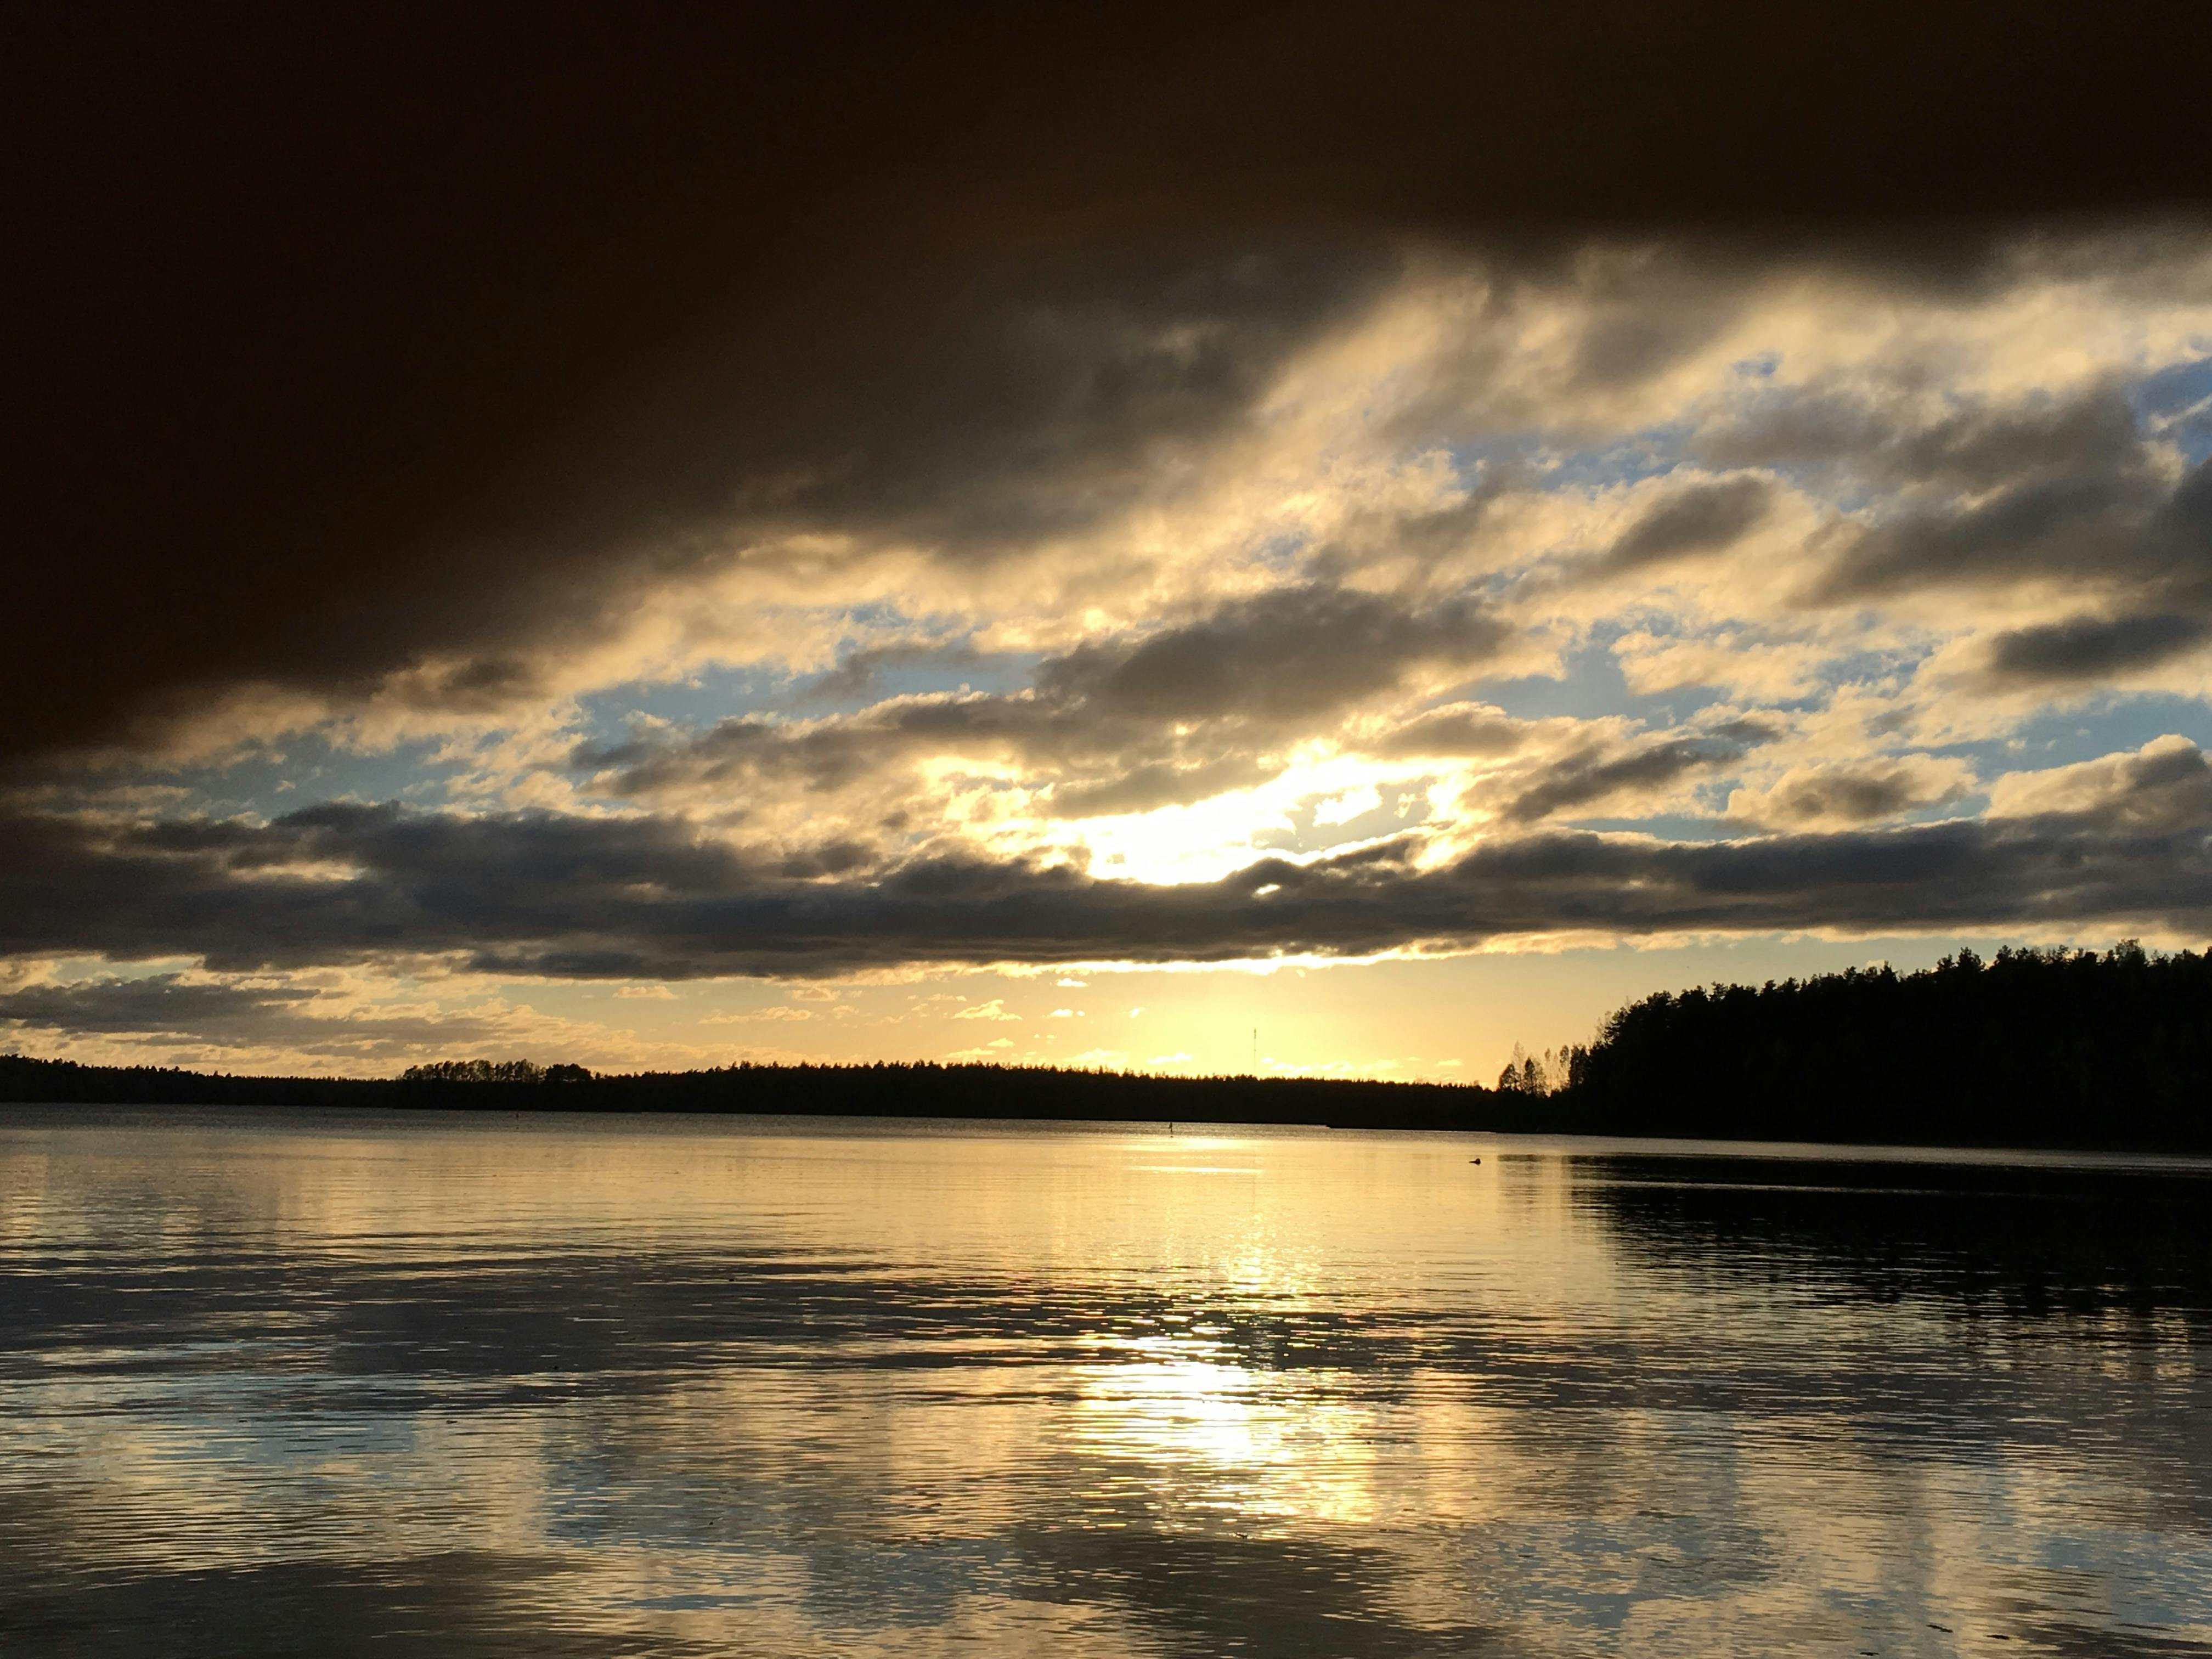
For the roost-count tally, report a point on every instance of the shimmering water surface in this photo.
(399, 1384)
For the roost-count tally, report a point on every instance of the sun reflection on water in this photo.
(806, 1390)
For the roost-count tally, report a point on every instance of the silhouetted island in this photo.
(2051, 1048)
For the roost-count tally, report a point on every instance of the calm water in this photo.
(395, 1384)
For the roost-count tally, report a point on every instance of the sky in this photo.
(1278, 539)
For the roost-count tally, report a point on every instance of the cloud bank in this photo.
(680, 505)
(2114, 842)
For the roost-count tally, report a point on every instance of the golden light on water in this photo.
(1122, 1394)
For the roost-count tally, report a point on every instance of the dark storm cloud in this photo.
(346, 341)
(1703, 518)
(2091, 647)
(539, 894)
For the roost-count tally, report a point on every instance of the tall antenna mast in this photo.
(1255, 1051)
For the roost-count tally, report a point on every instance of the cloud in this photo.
(1326, 513)
(289, 466)
(1841, 794)
(2165, 786)
(962, 418)
(1283, 656)
(1886, 435)
(533, 894)
(2125, 528)
(173, 1010)
(859, 674)
(1450, 733)
(1586, 779)
(158, 1003)
(2092, 647)
(779, 1013)
(1153, 784)
(1704, 517)
(1177, 715)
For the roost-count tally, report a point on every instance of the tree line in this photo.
(921, 1089)
(2034, 1047)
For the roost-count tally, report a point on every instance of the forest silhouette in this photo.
(887, 1089)
(2035, 1048)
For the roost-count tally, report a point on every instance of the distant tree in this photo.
(480, 1071)
(1513, 1079)
(1543, 1074)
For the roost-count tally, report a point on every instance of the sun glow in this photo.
(1320, 803)
(1261, 1444)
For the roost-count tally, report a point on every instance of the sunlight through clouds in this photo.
(1682, 549)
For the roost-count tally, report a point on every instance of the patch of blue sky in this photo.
(697, 701)
(2176, 404)
(1282, 553)
(2173, 391)
(1592, 688)
(1630, 458)
(1594, 685)
(1890, 669)
(2061, 737)
(269, 783)
(998, 672)
(1871, 667)
(709, 695)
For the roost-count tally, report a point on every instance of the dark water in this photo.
(290, 1384)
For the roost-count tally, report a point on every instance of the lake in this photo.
(410, 1383)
